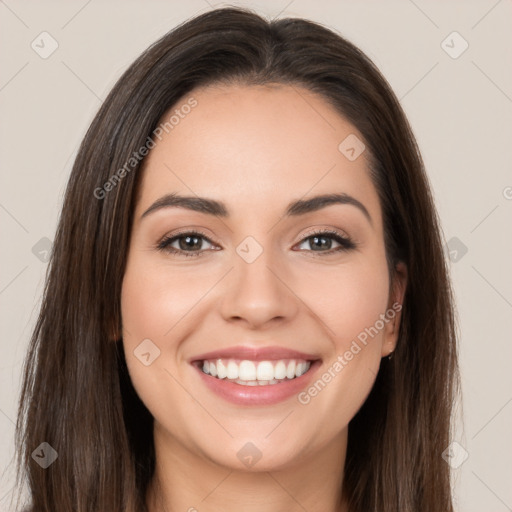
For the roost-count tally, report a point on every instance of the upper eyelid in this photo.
(173, 237)
(325, 231)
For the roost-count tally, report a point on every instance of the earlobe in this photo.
(391, 331)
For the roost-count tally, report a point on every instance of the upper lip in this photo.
(255, 354)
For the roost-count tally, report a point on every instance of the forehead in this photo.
(256, 146)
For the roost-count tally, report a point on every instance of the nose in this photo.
(258, 293)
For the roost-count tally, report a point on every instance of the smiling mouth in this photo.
(255, 373)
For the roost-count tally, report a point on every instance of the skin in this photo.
(256, 148)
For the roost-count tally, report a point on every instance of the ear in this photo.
(394, 309)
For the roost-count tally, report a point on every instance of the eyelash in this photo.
(346, 243)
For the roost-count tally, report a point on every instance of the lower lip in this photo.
(258, 395)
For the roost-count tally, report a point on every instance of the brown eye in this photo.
(187, 244)
(322, 242)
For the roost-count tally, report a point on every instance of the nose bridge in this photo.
(256, 290)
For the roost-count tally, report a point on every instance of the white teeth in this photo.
(256, 373)
(247, 370)
(265, 370)
(232, 371)
(280, 370)
(222, 371)
(290, 370)
(300, 370)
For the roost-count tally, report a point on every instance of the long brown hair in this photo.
(77, 395)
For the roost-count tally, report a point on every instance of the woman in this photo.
(247, 302)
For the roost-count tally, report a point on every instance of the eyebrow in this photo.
(218, 208)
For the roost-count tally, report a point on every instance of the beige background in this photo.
(460, 110)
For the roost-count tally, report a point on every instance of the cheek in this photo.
(364, 297)
(351, 305)
(155, 298)
(154, 301)
(349, 298)
(162, 303)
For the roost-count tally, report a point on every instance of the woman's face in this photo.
(256, 294)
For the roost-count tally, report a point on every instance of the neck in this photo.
(187, 481)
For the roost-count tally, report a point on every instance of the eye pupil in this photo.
(184, 240)
(326, 245)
